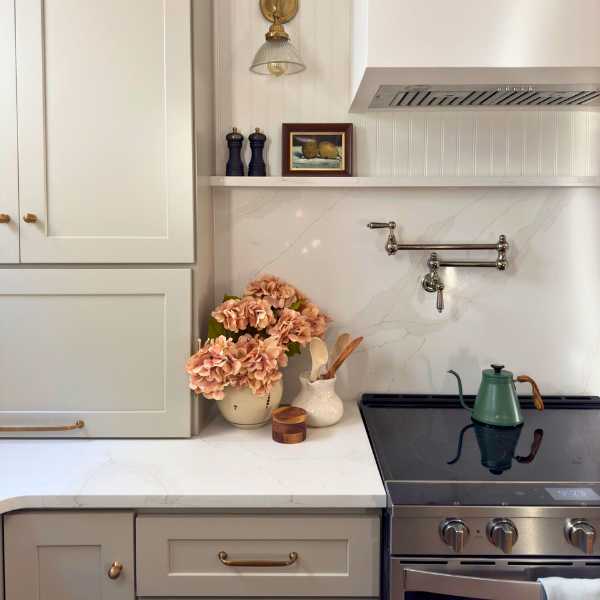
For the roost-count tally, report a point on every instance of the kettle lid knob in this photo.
(497, 368)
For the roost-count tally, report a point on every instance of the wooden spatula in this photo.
(319, 356)
(344, 354)
(342, 341)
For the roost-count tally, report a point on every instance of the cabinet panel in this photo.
(103, 346)
(52, 555)
(9, 188)
(105, 130)
(1, 559)
(335, 555)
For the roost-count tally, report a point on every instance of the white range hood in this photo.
(520, 54)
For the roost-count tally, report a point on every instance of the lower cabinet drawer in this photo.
(256, 555)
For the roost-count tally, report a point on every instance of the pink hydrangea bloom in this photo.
(237, 315)
(318, 320)
(291, 327)
(275, 291)
(212, 368)
(261, 359)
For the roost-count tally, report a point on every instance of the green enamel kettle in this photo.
(497, 402)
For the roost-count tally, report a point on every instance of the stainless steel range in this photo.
(481, 512)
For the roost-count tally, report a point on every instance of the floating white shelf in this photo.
(399, 182)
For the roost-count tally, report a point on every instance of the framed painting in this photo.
(316, 149)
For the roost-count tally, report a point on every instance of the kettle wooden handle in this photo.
(535, 391)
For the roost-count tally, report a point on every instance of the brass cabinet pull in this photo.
(115, 570)
(293, 557)
(77, 425)
(4, 218)
(30, 218)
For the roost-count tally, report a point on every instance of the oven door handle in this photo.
(470, 587)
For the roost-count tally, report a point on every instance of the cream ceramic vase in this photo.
(319, 400)
(245, 410)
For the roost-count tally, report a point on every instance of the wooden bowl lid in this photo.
(289, 415)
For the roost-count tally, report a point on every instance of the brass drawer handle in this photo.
(4, 218)
(293, 557)
(77, 425)
(115, 570)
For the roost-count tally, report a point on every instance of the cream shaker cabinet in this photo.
(104, 121)
(94, 352)
(69, 556)
(1, 560)
(9, 179)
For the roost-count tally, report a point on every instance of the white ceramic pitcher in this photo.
(319, 400)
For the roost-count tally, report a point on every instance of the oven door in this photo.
(473, 579)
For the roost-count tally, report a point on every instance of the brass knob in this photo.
(30, 218)
(4, 218)
(115, 570)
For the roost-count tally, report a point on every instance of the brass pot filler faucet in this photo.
(432, 281)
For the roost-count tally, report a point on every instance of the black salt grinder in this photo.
(235, 166)
(257, 167)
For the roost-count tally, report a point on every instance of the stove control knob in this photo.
(503, 534)
(581, 534)
(454, 533)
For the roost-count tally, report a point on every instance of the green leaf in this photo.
(215, 329)
(293, 349)
(296, 305)
(228, 297)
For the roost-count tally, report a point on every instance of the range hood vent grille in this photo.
(419, 96)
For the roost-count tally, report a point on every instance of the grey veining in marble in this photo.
(540, 317)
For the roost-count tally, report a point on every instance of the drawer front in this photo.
(334, 555)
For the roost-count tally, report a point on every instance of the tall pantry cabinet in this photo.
(96, 170)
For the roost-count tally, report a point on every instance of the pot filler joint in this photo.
(432, 281)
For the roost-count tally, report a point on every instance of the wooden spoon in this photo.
(319, 356)
(344, 354)
(342, 341)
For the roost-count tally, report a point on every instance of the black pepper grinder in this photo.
(235, 166)
(257, 167)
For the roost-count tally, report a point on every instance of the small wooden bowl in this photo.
(289, 425)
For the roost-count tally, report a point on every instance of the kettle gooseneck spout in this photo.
(460, 390)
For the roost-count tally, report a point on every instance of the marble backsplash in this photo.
(540, 317)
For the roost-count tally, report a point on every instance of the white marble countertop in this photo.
(223, 468)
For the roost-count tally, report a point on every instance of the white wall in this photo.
(540, 317)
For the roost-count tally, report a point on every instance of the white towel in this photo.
(561, 588)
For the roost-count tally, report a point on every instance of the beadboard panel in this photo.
(407, 143)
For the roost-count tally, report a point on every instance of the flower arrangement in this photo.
(250, 338)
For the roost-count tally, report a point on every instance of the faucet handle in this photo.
(432, 282)
(379, 225)
(391, 245)
(439, 304)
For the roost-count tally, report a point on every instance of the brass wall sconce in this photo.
(278, 56)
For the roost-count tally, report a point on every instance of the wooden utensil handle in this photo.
(344, 354)
(538, 435)
(538, 402)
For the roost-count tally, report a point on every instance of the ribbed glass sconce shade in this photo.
(277, 57)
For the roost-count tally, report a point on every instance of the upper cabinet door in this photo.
(9, 187)
(105, 130)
